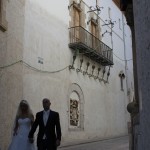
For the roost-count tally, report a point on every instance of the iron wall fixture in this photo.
(98, 9)
(103, 72)
(100, 79)
(106, 32)
(91, 75)
(109, 22)
(99, 69)
(81, 62)
(108, 73)
(79, 69)
(85, 72)
(72, 66)
(93, 67)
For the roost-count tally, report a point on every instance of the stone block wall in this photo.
(142, 32)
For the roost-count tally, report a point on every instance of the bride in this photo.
(23, 122)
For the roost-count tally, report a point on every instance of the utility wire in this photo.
(2, 67)
(43, 71)
(38, 70)
(122, 59)
(33, 68)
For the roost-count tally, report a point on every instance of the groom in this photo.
(49, 135)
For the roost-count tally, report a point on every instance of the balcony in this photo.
(84, 42)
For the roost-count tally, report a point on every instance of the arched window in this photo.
(76, 108)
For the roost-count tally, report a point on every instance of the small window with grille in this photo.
(119, 20)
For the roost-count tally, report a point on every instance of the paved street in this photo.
(112, 144)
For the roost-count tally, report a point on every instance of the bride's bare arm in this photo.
(33, 128)
(16, 127)
(32, 120)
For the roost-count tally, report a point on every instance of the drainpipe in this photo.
(124, 45)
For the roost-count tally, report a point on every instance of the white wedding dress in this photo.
(21, 141)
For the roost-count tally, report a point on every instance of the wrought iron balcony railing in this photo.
(83, 41)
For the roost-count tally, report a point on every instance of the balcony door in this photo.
(76, 24)
(94, 35)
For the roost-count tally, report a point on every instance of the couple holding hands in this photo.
(49, 134)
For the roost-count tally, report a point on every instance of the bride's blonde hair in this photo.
(29, 111)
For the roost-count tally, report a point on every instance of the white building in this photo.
(73, 54)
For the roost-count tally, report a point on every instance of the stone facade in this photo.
(142, 31)
(35, 56)
(137, 14)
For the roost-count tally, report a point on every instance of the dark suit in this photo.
(52, 130)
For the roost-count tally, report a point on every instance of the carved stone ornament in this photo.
(74, 112)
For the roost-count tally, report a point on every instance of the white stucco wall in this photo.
(40, 29)
(11, 48)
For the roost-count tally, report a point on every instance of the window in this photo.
(119, 23)
(122, 76)
(109, 12)
(74, 113)
(75, 108)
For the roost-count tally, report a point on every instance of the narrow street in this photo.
(111, 144)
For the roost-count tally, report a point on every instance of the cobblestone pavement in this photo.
(111, 144)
